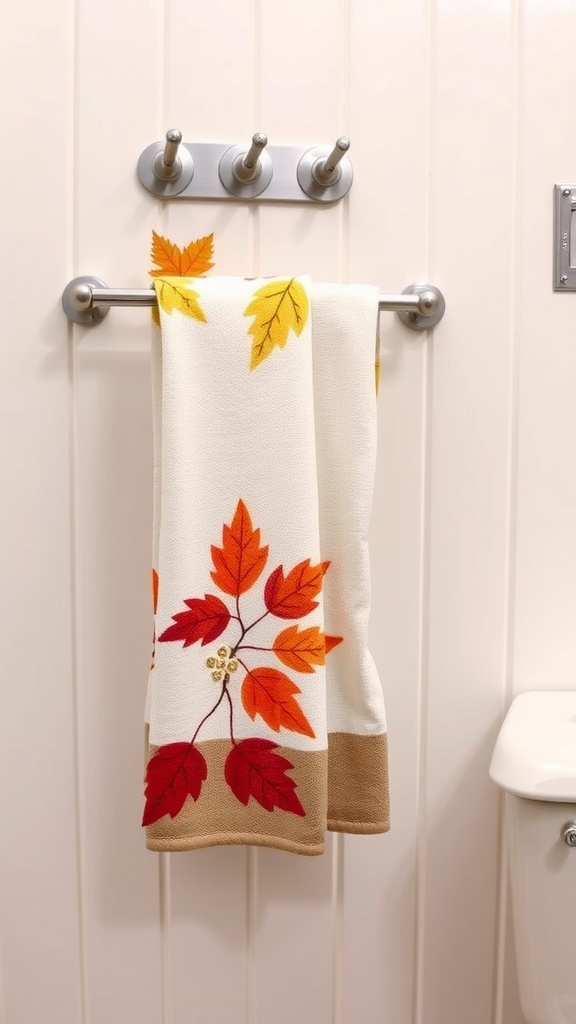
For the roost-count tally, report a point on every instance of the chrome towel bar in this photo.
(86, 300)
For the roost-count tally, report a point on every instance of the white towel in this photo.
(266, 716)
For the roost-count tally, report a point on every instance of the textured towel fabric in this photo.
(265, 711)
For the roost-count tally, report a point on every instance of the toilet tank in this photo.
(534, 761)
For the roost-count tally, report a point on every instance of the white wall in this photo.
(460, 116)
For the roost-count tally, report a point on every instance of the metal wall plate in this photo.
(565, 238)
(209, 160)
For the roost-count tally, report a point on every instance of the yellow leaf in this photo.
(175, 293)
(278, 307)
(193, 261)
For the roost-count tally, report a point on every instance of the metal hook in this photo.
(249, 167)
(327, 172)
(167, 165)
(324, 174)
(246, 172)
(165, 168)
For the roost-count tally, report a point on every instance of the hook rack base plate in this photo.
(206, 183)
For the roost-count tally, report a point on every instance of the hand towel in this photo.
(266, 720)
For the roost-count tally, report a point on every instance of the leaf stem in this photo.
(217, 705)
(246, 629)
(250, 647)
(231, 715)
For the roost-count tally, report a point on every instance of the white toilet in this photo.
(534, 760)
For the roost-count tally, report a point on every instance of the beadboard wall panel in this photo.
(119, 69)
(209, 85)
(545, 648)
(40, 935)
(469, 503)
(387, 242)
(457, 115)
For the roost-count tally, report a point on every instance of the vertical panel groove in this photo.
(2, 996)
(257, 123)
(345, 57)
(517, 65)
(430, 18)
(252, 857)
(338, 841)
(424, 598)
(73, 456)
(162, 64)
(338, 966)
(165, 936)
(251, 926)
(76, 692)
(164, 859)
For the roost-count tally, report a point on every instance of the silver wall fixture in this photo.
(564, 238)
(246, 172)
(569, 833)
(86, 300)
(326, 175)
(173, 169)
(166, 168)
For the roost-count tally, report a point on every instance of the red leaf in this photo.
(252, 769)
(176, 771)
(269, 693)
(239, 562)
(205, 621)
(331, 641)
(292, 597)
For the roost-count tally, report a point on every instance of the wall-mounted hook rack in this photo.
(173, 169)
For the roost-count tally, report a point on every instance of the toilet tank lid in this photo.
(535, 753)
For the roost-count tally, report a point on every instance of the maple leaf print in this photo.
(176, 293)
(301, 650)
(278, 307)
(193, 261)
(175, 772)
(240, 560)
(270, 694)
(205, 621)
(252, 769)
(291, 597)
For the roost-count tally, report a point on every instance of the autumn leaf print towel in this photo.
(265, 711)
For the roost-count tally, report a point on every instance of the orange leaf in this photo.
(269, 693)
(331, 642)
(300, 651)
(155, 590)
(291, 597)
(193, 261)
(239, 562)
